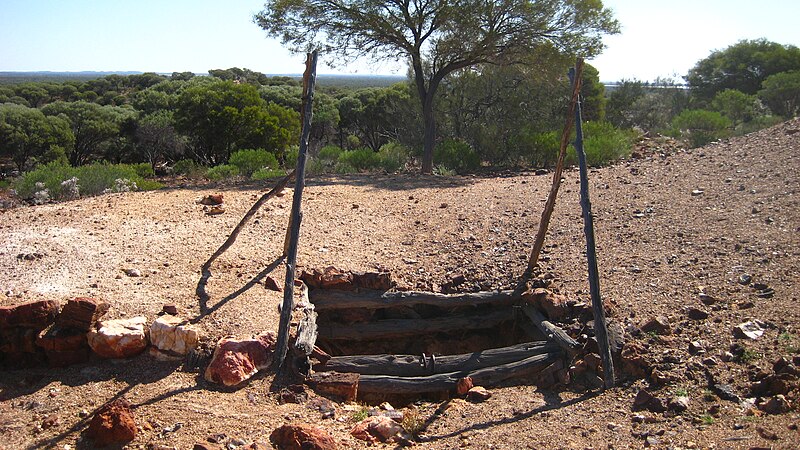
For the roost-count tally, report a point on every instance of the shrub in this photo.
(267, 173)
(456, 155)
(222, 172)
(360, 159)
(344, 168)
(330, 153)
(189, 168)
(543, 148)
(603, 144)
(144, 170)
(56, 181)
(393, 156)
(700, 126)
(248, 161)
(290, 162)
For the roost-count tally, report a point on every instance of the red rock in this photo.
(302, 437)
(376, 429)
(381, 281)
(235, 361)
(112, 423)
(646, 400)
(342, 385)
(634, 362)
(67, 358)
(61, 339)
(18, 340)
(272, 285)
(81, 313)
(479, 394)
(121, 338)
(657, 325)
(329, 278)
(554, 306)
(37, 315)
(170, 309)
(206, 446)
(211, 199)
(463, 386)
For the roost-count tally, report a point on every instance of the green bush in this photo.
(362, 159)
(144, 170)
(267, 173)
(249, 161)
(456, 155)
(700, 127)
(330, 153)
(603, 144)
(543, 148)
(290, 162)
(57, 181)
(189, 168)
(222, 172)
(342, 167)
(393, 156)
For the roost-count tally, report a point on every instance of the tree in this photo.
(742, 66)
(156, 139)
(92, 126)
(735, 105)
(437, 38)
(27, 135)
(220, 117)
(781, 93)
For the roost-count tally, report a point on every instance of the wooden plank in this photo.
(421, 365)
(327, 299)
(396, 328)
(385, 384)
(551, 331)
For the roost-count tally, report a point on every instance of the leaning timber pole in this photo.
(600, 329)
(309, 78)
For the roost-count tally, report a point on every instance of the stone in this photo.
(381, 281)
(132, 272)
(463, 385)
(235, 361)
(170, 309)
(478, 394)
(81, 313)
(120, 338)
(329, 278)
(658, 325)
(272, 285)
(113, 423)
(696, 313)
(63, 346)
(707, 299)
(302, 437)
(554, 306)
(678, 404)
(376, 429)
(775, 384)
(775, 405)
(211, 199)
(748, 330)
(173, 334)
(634, 362)
(696, 347)
(340, 385)
(18, 340)
(646, 400)
(37, 315)
(207, 446)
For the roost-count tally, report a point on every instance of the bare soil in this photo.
(670, 225)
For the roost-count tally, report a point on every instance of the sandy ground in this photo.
(659, 243)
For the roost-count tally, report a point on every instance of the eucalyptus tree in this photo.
(437, 38)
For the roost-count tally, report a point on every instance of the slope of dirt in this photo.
(670, 226)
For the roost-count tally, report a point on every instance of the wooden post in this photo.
(600, 329)
(544, 223)
(309, 78)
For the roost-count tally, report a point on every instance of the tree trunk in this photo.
(430, 133)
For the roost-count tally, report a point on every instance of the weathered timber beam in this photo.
(396, 328)
(307, 331)
(415, 366)
(382, 384)
(325, 299)
(549, 330)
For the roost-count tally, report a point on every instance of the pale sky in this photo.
(659, 38)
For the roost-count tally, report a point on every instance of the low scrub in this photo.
(56, 181)
(222, 172)
(249, 161)
(603, 144)
(456, 155)
(700, 127)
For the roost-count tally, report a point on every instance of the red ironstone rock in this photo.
(235, 361)
(302, 437)
(81, 313)
(113, 423)
(37, 315)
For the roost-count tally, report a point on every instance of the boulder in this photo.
(376, 429)
(81, 313)
(555, 306)
(112, 424)
(337, 384)
(657, 325)
(64, 346)
(302, 437)
(120, 338)
(329, 278)
(235, 361)
(173, 334)
(37, 315)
